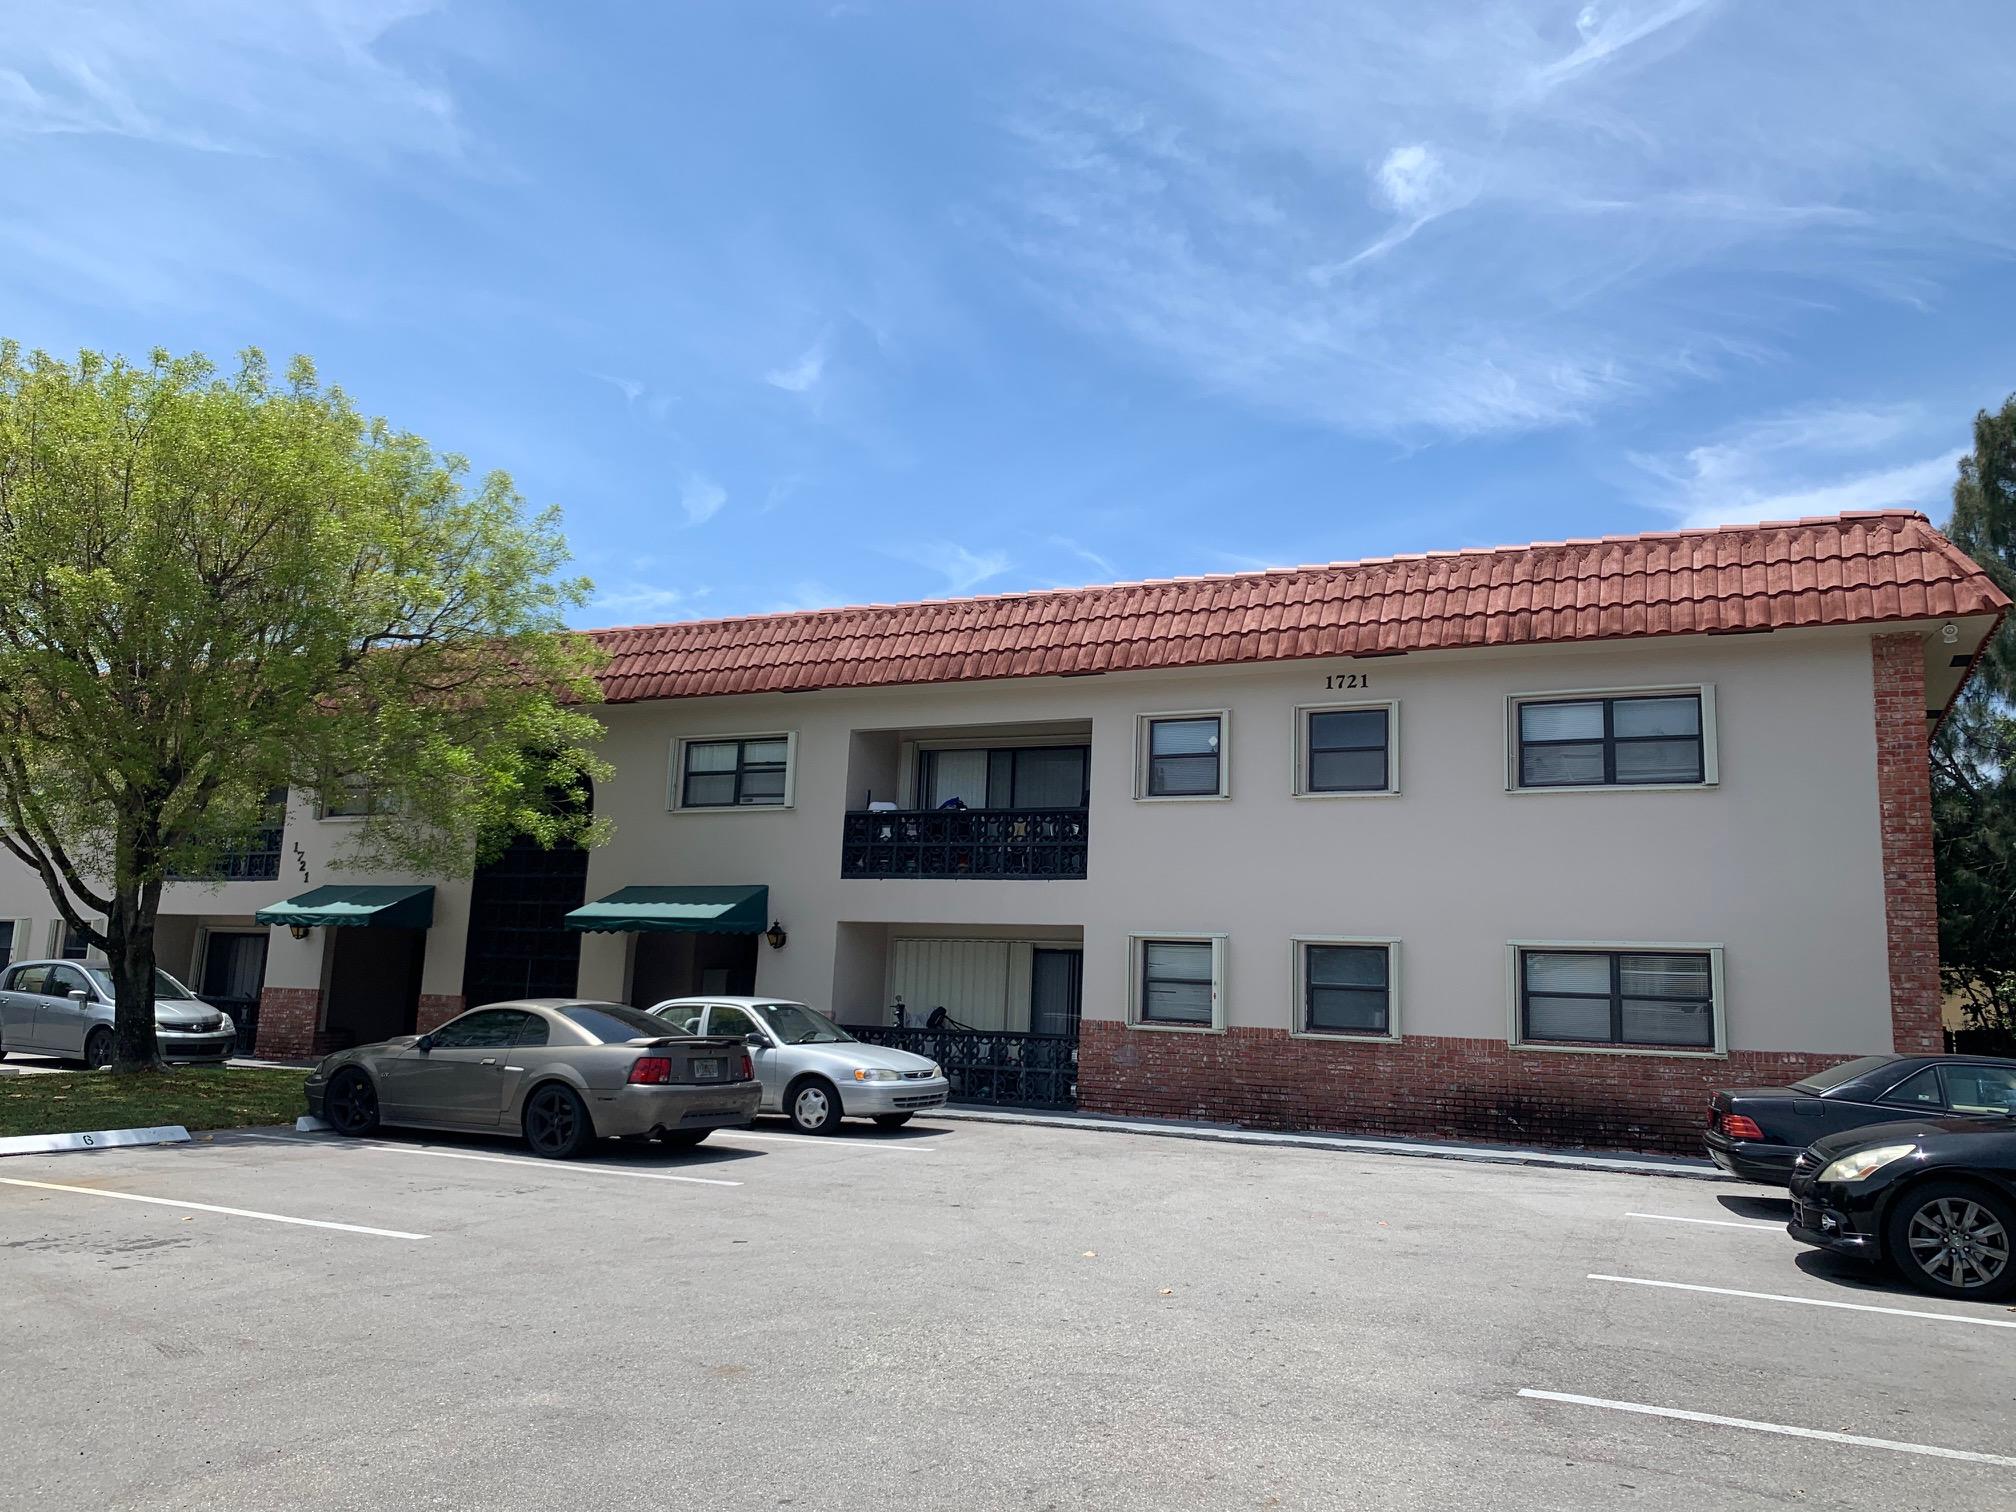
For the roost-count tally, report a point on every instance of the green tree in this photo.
(212, 587)
(1974, 758)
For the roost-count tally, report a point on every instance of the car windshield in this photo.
(1835, 1076)
(613, 1023)
(165, 986)
(795, 1024)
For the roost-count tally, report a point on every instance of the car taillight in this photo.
(650, 1071)
(1736, 1126)
(748, 1072)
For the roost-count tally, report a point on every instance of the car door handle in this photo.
(488, 1060)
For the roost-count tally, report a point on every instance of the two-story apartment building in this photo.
(1540, 842)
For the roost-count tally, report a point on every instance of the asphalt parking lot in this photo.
(959, 1315)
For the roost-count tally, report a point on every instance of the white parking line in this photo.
(1759, 1228)
(1856, 1439)
(814, 1142)
(1897, 1312)
(556, 1167)
(205, 1207)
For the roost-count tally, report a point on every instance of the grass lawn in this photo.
(197, 1097)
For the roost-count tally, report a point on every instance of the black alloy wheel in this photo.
(556, 1123)
(1954, 1238)
(98, 1049)
(350, 1106)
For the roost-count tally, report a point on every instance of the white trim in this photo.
(1711, 774)
(1717, 992)
(1297, 977)
(675, 785)
(1141, 756)
(1299, 778)
(1217, 943)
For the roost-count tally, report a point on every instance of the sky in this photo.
(796, 304)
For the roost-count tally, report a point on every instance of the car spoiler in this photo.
(658, 1042)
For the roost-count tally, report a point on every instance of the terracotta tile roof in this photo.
(1854, 569)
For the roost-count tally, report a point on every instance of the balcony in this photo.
(256, 861)
(997, 844)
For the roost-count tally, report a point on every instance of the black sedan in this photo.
(1757, 1132)
(1936, 1198)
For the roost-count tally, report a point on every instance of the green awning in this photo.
(700, 910)
(341, 907)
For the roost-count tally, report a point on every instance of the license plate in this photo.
(712, 1068)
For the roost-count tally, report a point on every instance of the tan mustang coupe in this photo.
(562, 1073)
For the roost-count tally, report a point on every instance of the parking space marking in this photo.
(815, 1142)
(205, 1207)
(555, 1166)
(1717, 1420)
(1756, 1228)
(1723, 1291)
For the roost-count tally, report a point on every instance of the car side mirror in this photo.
(78, 995)
(755, 1041)
(424, 1043)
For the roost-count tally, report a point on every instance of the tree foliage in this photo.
(1974, 758)
(213, 587)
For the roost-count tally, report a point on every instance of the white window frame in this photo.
(1710, 766)
(675, 784)
(1135, 983)
(1300, 778)
(1298, 976)
(1143, 756)
(1720, 1007)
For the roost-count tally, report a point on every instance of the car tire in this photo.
(350, 1103)
(813, 1105)
(683, 1139)
(555, 1122)
(1954, 1239)
(98, 1049)
(893, 1120)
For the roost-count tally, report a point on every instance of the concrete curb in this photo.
(307, 1123)
(99, 1139)
(1418, 1149)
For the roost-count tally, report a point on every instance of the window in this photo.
(1640, 740)
(1347, 987)
(1655, 998)
(686, 1018)
(1920, 1091)
(350, 797)
(735, 772)
(75, 945)
(6, 941)
(722, 1019)
(1178, 981)
(27, 979)
(1182, 756)
(1346, 750)
(1980, 1089)
(64, 980)
(493, 1029)
(615, 1024)
(1014, 777)
(534, 1032)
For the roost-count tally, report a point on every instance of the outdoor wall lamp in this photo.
(775, 935)
(299, 931)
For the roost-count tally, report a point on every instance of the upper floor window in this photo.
(1652, 998)
(352, 797)
(1347, 749)
(741, 771)
(1663, 739)
(1010, 777)
(1182, 756)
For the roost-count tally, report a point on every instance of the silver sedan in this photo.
(560, 1072)
(65, 1008)
(813, 1071)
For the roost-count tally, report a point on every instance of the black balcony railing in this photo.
(987, 1066)
(964, 843)
(256, 861)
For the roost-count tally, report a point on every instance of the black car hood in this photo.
(1912, 1133)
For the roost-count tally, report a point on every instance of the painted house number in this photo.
(1348, 680)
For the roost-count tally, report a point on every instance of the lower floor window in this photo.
(1347, 988)
(1655, 999)
(1176, 982)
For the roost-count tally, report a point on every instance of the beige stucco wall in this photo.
(1779, 863)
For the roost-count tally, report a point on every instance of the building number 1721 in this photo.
(1348, 680)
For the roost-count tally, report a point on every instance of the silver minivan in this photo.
(65, 1008)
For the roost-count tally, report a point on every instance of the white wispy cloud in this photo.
(1398, 217)
(642, 600)
(1817, 461)
(803, 374)
(702, 498)
(1083, 553)
(961, 568)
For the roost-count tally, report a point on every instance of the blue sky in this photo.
(797, 304)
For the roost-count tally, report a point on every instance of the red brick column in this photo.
(436, 1008)
(287, 1018)
(1910, 887)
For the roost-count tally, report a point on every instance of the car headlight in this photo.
(224, 1024)
(1866, 1163)
(936, 1069)
(875, 1073)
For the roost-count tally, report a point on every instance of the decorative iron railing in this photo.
(987, 1066)
(256, 861)
(943, 843)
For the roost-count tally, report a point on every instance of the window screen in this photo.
(1604, 742)
(1650, 999)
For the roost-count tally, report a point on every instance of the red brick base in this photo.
(1446, 1088)
(436, 1008)
(287, 1018)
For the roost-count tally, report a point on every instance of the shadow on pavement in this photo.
(1755, 1205)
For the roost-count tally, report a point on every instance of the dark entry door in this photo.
(234, 969)
(1056, 981)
